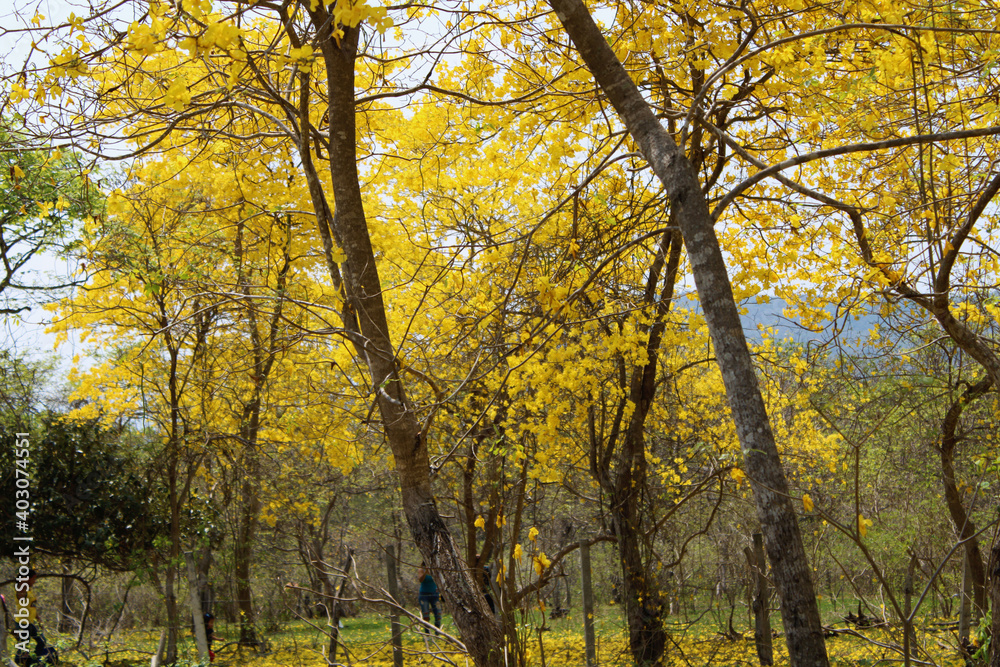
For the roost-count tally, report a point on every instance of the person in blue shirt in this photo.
(428, 595)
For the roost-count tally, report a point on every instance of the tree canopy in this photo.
(511, 243)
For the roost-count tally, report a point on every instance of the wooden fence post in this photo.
(397, 628)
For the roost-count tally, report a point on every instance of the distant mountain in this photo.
(771, 315)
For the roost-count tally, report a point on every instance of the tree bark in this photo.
(170, 595)
(641, 591)
(203, 565)
(588, 606)
(365, 314)
(334, 598)
(909, 634)
(790, 569)
(625, 482)
(264, 350)
(66, 607)
(995, 601)
(197, 615)
(397, 627)
(963, 523)
(760, 597)
(173, 615)
(242, 555)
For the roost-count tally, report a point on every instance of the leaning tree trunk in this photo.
(790, 569)
(365, 320)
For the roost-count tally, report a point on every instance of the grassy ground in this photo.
(366, 637)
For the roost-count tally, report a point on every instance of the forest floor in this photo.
(693, 644)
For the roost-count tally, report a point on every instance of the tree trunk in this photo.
(909, 634)
(158, 656)
(587, 592)
(995, 603)
(789, 566)
(4, 652)
(640, 593)
(964, 608)
(509, 603)
(173, 613)
(640, 585)
(264, 350)
(334, 597)
(197, 615)
(206, 594)
(66, 607)
(625, 482)
(170, 576)
(760, 597)
(246, 529)
(397, 627)
(365, 320)
(242, 556)
(964, 526)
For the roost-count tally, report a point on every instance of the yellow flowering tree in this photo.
(474, 200)
(197, 298)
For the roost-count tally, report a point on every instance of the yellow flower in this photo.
(533, 534)
(178, 95)
(480, 522)
(541, 562)
(863, 524)
(807, 502)
(518, 551)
